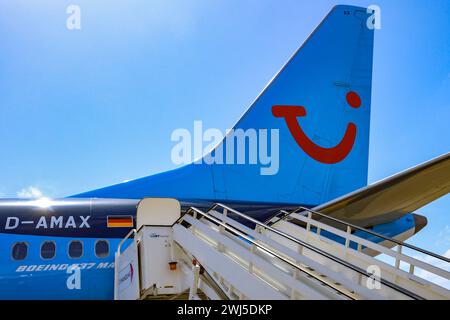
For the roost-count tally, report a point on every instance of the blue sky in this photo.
(88, 108)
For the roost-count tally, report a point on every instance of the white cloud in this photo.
(30, 192)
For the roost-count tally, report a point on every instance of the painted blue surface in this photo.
(97, 274)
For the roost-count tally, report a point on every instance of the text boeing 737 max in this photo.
(319, 104)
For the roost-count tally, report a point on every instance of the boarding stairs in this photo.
(221, 253)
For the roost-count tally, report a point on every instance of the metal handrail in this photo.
(132, 232)
(398, 242)
(319, 251)
(235, 230)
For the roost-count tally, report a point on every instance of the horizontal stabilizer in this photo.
(393, 197)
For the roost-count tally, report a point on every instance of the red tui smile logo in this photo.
(325, 155)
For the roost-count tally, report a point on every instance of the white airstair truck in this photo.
(210, 255)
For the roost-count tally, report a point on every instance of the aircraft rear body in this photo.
(318, 107)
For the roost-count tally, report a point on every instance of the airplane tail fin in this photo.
(306, 136)
(320, 104)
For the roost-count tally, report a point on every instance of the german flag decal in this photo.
(120, 222)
